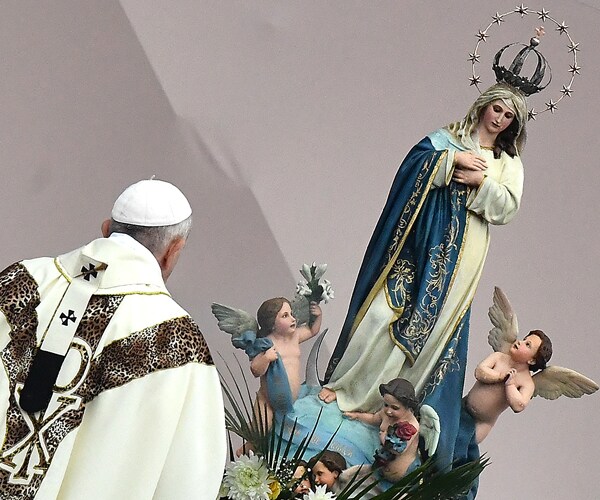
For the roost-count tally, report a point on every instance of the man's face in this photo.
(322, 475)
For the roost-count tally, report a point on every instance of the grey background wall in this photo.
(284, 123)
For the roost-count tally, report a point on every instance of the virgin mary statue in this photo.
(409, 312)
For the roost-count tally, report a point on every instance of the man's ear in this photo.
(169, 259)
(105, 228)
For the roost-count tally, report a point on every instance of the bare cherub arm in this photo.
(486, 371)
(366, 418)
(518, 397)
(308, 332)
(261, 362)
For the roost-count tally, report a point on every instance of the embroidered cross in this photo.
(37, 457)
(64, 318)
(91, 272)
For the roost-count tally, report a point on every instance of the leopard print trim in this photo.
(171, 344)
(19, 298)
(39, 435)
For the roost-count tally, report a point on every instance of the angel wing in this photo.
(556, 381)
(504, 319)
(429, 428)
(233, 321)
(300, 309)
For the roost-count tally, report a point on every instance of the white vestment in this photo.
(136, 411)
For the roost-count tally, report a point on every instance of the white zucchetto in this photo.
(151, 203)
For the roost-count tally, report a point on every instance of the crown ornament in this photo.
(512, 74)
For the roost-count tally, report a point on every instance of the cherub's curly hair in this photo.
(544, 352)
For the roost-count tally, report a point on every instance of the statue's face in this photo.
(304, 484)
(524, 351)
(285, 323)
(497, 116)
(322, 475)
(393, 408)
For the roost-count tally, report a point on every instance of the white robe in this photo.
(142, 403)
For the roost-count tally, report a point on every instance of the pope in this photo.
(107, 380)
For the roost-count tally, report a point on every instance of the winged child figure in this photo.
(517, 371)
(272, 339)
(402, 421)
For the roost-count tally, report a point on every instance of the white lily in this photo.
(328, 293)
(303, 289)
(319, 271)
(305, 272)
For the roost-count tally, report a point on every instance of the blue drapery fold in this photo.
(278, 386)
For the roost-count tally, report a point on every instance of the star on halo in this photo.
(574, 47)
(567, 90)
(574, 69)
(562, 28)
(474, 57)
(531, 114)
(543, 14)
(482, 35)
(521, 9)
(551, 106)
(475, 80)
(498, 18)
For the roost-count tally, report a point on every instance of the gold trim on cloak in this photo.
(382, 277)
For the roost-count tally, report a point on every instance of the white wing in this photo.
(556, 381)
(504, 319)
(429, 428)
(233, 321)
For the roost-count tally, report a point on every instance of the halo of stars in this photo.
(543, 15)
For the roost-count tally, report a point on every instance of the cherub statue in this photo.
(401, 421)
(504, 379)
(273, 345)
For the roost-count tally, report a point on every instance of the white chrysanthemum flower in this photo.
(320, 493)
(247, 479)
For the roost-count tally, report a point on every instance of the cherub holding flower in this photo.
(272, 340)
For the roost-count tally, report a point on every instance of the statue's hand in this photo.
(510, 377)
(271, 354)
(467, 176)
(468, 160)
